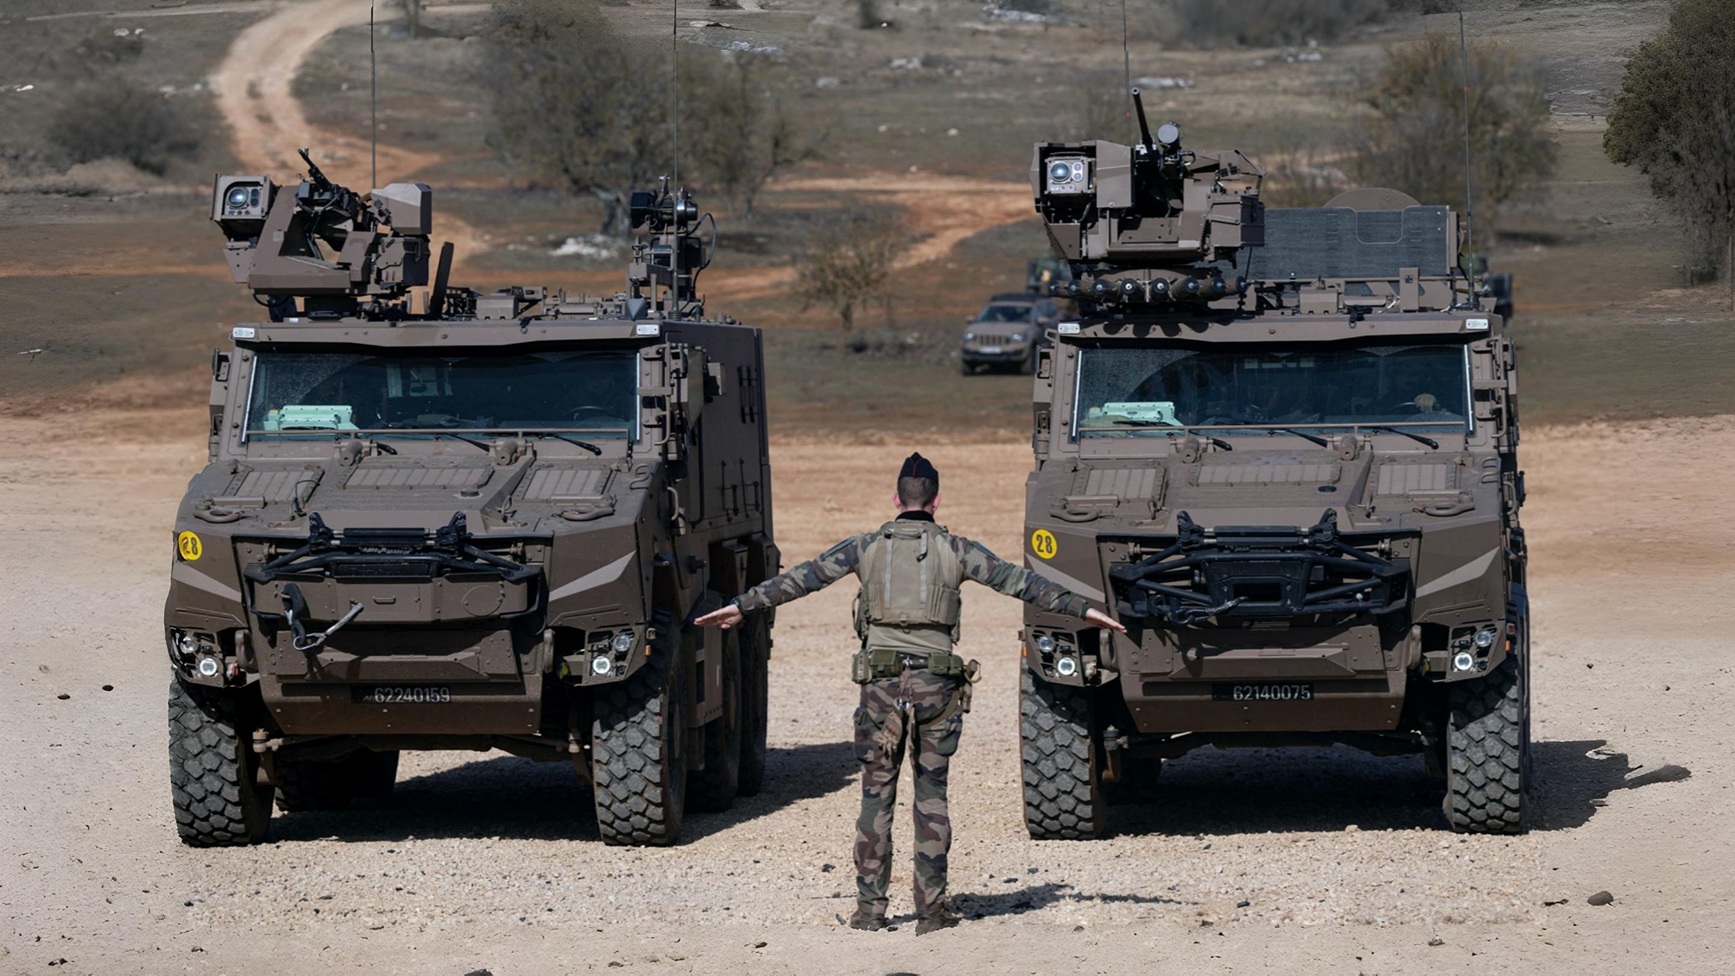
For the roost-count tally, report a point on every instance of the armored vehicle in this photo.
(449, 519)
(1281, 446)
(1007, 332)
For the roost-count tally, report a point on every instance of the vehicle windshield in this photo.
(1005, 312)
(589, 391)
(1128, 390)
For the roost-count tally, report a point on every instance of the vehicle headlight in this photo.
(623, 642)
(600, 665)
(1017, 337)
(969, 336)
(1485, 638)
(1066, 667)
(187, 643)
(1044, 644)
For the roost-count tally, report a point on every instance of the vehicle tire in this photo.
(755, 704)
(1028, 366)
(713, 788)
(1063, 794)
(967, 367)
(638, 736)
(1487, 751)
(369, 775)
(304, 785)
(212, 772)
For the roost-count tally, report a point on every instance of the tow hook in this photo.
(295, 610)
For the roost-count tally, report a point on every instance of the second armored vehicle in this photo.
(479, 524)
(1281, 445)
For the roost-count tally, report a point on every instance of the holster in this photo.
(960, 704)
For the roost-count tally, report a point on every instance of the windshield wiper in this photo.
(484, 445)
(587, 445)
(1412, 435)
(1322, 442)
(1216, 441)
(378, 445)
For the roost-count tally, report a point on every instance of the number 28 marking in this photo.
(1042, 543)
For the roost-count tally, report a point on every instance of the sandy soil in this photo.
(485, 861)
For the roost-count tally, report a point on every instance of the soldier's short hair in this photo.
(917, 492)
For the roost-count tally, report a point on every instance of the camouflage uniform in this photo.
(913, 688)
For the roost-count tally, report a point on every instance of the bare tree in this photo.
(1258, 23)
(737, 125)
(1674, 119)
(847, 262)
(1302, 171)
(576, 103)
(120, 120)
(1103, 107)
(1414, 139)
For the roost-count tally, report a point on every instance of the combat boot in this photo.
(944, 918)
(865, 920)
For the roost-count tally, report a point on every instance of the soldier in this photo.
(914, 689)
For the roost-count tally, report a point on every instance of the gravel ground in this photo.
(1290, 859)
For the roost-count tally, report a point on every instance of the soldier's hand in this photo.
(726, 617)
(1101, 619)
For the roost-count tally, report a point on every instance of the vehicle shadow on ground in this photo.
(1225, 792)
(513, 798)
(1033, 898)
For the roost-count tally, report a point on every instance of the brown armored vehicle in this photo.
(480, 524)
(1280, 445)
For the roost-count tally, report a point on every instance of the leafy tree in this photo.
(574, 102)
(737, 127)
(1414, 139)
(847, 262)
(1674, 118)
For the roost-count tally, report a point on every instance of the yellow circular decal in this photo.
(1042, 543)
(189, 546)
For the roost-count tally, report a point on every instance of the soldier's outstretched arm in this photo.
(991, 571)
(809, 577)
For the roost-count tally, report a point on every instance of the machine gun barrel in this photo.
(314, 175)
(1144, 126)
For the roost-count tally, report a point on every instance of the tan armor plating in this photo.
(910, 575)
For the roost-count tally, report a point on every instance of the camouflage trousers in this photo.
(882, 734)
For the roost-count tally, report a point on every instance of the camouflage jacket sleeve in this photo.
(991, 571)
(809, 577)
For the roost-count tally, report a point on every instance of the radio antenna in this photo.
(675, 118)
(1127, 63)
(373, 94)
(1469, 197)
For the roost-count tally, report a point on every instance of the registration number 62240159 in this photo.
(403, 695)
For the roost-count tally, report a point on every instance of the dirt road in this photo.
(255, 92)
(1317, 861)
(939, 213)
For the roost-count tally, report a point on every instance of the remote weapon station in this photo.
(1281, 446)
(437, 518)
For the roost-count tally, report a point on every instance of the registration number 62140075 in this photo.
(404, 695)
(1293, 691)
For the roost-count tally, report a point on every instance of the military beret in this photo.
(916, 466)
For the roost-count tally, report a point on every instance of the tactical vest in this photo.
(909, 601)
